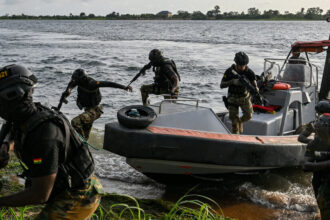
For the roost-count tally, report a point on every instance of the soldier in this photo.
(319, 165)
(296, 58)
(238, 93)
(166, 80)
(58, 165)
(89, 98)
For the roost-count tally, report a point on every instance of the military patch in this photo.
(37, 161)
(3, 74)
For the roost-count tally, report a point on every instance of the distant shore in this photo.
(160, 19)
(314, 13)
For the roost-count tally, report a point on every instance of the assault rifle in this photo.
(321, 155)
(62, 100)
(251, 88)
(142, 71)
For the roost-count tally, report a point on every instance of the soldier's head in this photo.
(155, 57)
(16, 88)
(322, 107)
(79, 75)
(295, 52)
(241, 60)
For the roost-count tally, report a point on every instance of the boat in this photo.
(180, 137)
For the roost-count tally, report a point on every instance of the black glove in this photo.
(65, 94)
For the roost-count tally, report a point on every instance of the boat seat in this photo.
(297, 75)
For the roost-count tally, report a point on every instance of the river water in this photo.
(116, 50)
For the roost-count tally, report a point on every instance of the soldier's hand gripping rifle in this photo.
(254, 91)
(62, 100)
(142, 72)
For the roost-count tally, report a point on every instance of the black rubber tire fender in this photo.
(148, 115)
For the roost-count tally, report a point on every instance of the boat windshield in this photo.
(297, 73)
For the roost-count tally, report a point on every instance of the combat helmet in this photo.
(79, 74)
(241, 58)
(15, 82)
(322, 107)
(155, 56)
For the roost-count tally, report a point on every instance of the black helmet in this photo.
(155, 56)
(323, 107)
(15, 81)
(79, 74)
(241, 58)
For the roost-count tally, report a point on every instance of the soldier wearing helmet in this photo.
(58, 165)
(89, 98)
(166, 80)
(296, 58)
(238, 94)
(319, 145)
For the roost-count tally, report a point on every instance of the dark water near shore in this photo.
(116, 50)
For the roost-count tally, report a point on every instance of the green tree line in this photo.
(314, 13)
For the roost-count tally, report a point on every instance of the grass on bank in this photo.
(113, 206)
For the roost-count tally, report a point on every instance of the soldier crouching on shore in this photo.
(318, 156)
(58, 165)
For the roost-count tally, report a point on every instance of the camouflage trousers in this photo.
(83, 123)
(74, 204)
(152, 89)
(321, 186)
(233, 107)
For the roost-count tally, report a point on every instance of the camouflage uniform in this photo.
(323, 194)
(321, 179)
(238, 96)
(234, 103)
(83, 123)
(153, 89)
(74, 204)
(89, 98)
(166, 79)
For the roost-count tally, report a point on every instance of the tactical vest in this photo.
(322, 128)
(77, 163)
(161, 79)
(88, 98)
(238, 91)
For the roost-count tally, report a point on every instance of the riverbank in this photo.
(114, 206)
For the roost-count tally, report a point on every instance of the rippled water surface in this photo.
(116, 50)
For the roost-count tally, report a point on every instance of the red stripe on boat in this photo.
(229, 137)
(202, 134)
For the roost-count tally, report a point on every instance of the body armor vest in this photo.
(88, 98)
(76, 162)
(322, 128)
(160, 78)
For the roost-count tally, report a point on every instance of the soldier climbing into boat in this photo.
(238, 93)
(57, 164)
(89, 98)
(166, 80)
(318, 156)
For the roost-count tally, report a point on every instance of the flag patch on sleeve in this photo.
(37, 161)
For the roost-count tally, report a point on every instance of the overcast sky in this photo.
(103, 7)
